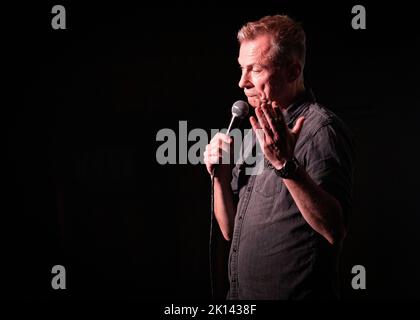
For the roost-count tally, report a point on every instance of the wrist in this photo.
(222, 181)
(222, 175)
(287, 169)
(278, 165)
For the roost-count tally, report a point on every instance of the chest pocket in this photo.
(268, 184)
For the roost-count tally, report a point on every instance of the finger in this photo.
(298, 126)
(271, 119)
(277, 110)
(213, 160)
(226, 138)
(216, 152)
(216, 144)
(258, 131)
(254, 123)
(226, 148)
(223, 156)
(223, 146)
(219, 142)
(267, 133)
(270, 109)
(210, 160)
(221, 136)
(263, 122)
(282, 127)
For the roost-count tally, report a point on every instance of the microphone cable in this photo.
(211, 236)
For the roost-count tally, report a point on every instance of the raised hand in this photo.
(276, 139)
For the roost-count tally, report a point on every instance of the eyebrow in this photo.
(251, 65)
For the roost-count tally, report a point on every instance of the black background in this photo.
(84, 189)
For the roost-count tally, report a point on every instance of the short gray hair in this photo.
(288, 37)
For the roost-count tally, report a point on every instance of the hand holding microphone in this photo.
(219, 151)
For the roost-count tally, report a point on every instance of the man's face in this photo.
(260, 80)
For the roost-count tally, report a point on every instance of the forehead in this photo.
(254, 51)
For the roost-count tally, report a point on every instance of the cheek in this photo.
(263, 87)
(264, 91)
(278, 84)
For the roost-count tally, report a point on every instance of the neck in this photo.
(296, 90)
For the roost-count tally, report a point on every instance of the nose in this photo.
(244, 80)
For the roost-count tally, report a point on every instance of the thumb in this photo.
(298, 126)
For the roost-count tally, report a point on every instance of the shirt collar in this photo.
(299, 105)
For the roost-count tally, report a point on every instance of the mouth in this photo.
(250, 95)
(252, 99)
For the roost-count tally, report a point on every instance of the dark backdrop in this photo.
(83, 188)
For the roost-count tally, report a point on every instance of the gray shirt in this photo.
(274, 253)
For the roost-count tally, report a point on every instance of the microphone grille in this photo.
(240, 109)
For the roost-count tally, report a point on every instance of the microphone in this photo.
(240, 110)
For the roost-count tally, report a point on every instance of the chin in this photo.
(254, 102)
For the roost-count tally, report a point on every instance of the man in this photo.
(286, 224)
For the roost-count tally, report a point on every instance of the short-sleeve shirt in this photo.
(275, 253)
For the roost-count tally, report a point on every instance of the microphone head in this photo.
(240, 109)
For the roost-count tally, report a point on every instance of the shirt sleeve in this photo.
(329, 162)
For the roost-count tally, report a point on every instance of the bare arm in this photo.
(320, 209)
(224, 206)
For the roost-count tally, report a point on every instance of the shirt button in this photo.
(234, 249)
(240, 217)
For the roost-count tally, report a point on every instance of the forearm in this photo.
(320, 209)
(224, 206)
